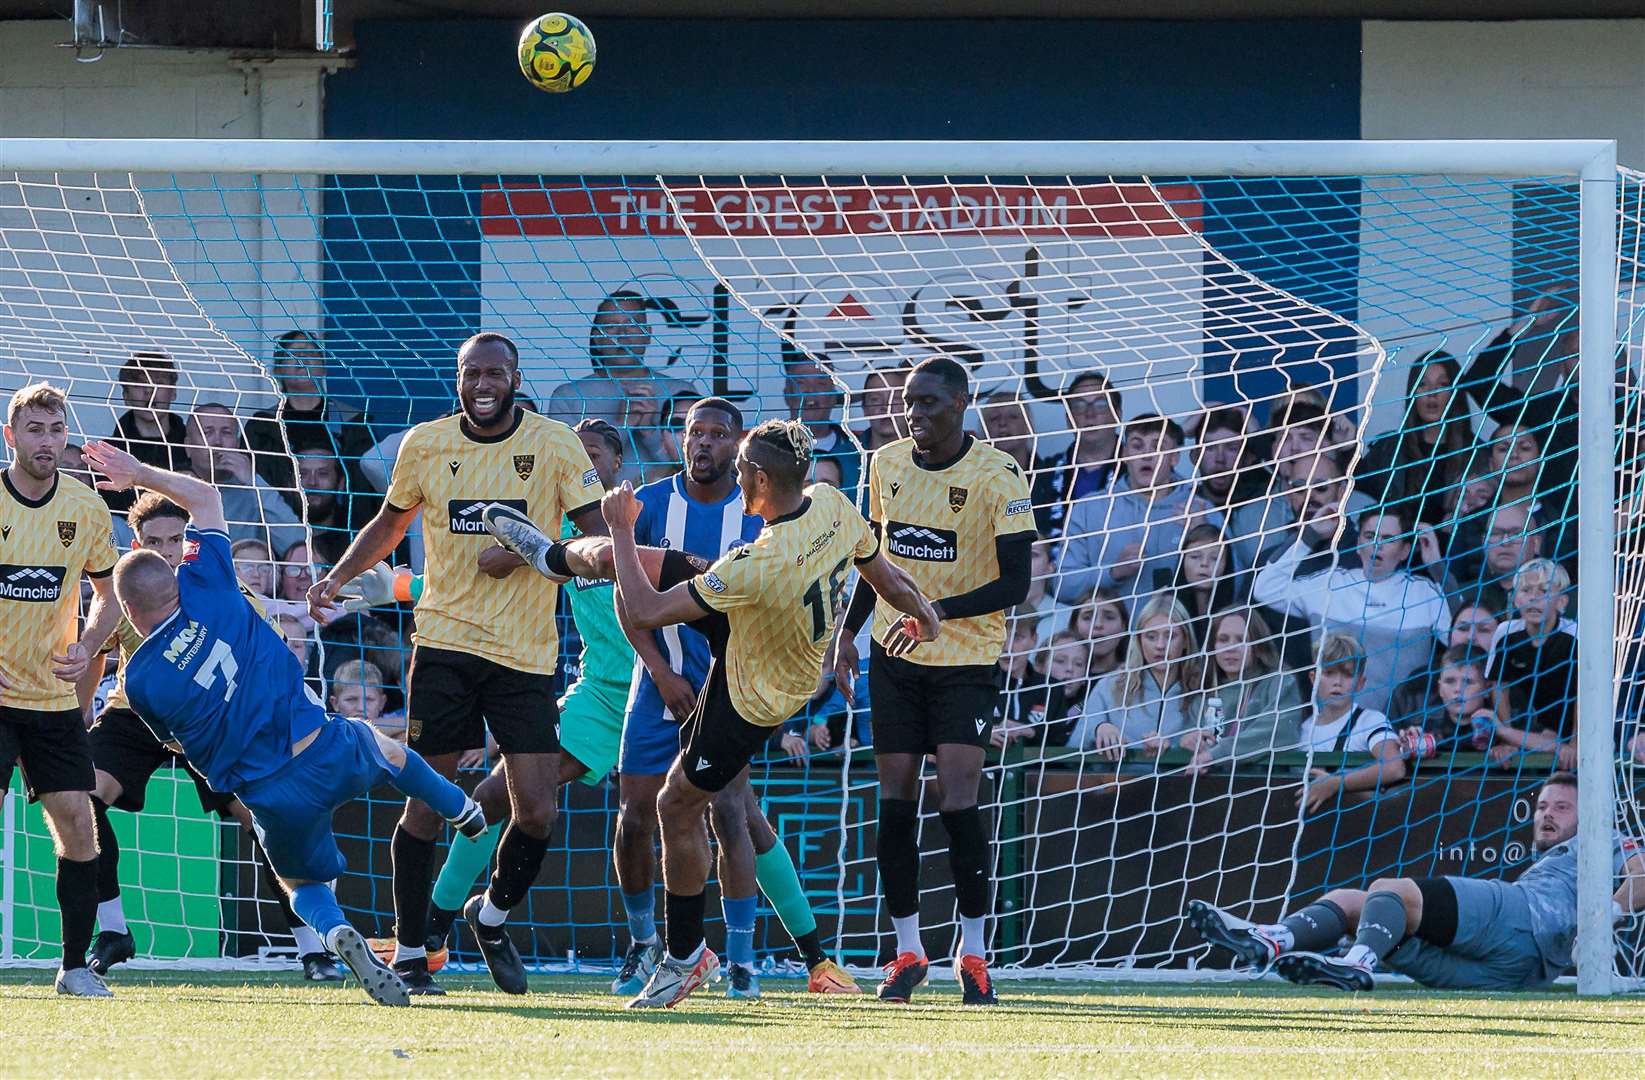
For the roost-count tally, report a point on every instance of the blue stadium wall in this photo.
(404, 290)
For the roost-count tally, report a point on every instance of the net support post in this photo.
(1596, 573)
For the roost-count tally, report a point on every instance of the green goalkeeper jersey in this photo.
(608, 658)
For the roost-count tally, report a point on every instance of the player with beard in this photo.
(1454, 933)
(955, 514)
(486, 644)
(699, 512)
(53, 529)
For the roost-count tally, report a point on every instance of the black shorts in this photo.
(918, 707)
(452, 697)
(52, 747)
(124, 747)
(716, 743)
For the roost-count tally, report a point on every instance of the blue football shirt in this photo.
(669, 518)
(218, 680)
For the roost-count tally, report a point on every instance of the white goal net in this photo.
(1278, 428)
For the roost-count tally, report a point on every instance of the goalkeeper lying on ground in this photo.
(1457, 933)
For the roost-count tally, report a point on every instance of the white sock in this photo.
(908, 935)
(307, 940)
(111, 917)
(1280, 934)
(696, 954)
(330, 944)
(409, 952)
(972, 941)
(491, 914)
(1361, 956)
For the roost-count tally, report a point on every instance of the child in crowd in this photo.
(1101, 621)
(357, 693)
(1532, 661)
(1204, 580)
(1043, 712)
(1148, 702)
(1340, 726)
(1462, 711)
(1249, 706)
(1039, 608)
(254, 566)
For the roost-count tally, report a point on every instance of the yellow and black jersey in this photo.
(781, 595)
(939, 523)
(45, 545)
(126, 639)
(538, 467)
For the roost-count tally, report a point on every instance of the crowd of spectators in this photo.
(1245, 581)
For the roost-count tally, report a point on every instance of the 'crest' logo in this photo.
(956, 499)
(65, 532)
(523, 464)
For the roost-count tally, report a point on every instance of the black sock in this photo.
(413, 884)
(897, 849)
(271, 882)
(683, 931)
(1316, 927)
(811, 950)
(968, 858)
(108, 854)
(1381, 923)
(440, 921)
(77, 900)
(519, 858)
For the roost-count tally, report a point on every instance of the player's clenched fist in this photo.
(322, 595)
(620, 508)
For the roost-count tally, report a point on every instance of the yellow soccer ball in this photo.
(556, 53)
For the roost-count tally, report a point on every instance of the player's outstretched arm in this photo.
(380, 537)
(897, 588)
(200, 499)
(644, 607)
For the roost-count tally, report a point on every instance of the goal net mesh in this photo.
(1264, 421)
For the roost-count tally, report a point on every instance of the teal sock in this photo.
(774, 870)
(465, 861)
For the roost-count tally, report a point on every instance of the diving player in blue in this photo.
(213, 678)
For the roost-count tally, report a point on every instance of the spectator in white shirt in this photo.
(1341, 725)
(1393, 613)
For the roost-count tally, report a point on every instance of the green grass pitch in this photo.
(166, 1024)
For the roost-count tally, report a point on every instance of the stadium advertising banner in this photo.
(1029, 281)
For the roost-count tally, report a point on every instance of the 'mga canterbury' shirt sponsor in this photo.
(465, 514)
(921, 542)
(42, 584)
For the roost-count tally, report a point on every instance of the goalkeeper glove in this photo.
(374, 588)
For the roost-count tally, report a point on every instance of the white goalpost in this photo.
(1257, 268)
